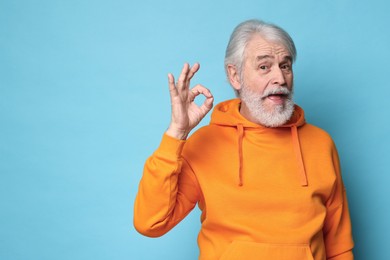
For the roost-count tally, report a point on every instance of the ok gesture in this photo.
(186, 114)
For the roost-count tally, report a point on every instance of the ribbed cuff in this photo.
(170, 147)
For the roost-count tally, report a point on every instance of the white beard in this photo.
(274, 116)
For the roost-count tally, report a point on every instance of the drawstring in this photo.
(298, 154)
(297, 150)
(240, 129)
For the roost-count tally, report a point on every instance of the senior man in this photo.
(268, 184)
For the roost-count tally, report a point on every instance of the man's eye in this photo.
(263, 67)
(286, 67)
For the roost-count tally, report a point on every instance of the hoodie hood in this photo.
(227, 114)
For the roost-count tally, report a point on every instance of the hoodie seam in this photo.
(198, 187)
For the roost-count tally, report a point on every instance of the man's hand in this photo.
(186, 114)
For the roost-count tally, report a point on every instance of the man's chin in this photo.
(272, 108)
(276, 115)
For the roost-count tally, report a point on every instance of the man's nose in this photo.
(278, 77)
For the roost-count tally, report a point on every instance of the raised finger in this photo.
(182, 81)
(194, 69)
(171, 84)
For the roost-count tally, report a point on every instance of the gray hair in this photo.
(243, 33)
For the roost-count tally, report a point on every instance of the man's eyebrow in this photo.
(287, 58)
(264, 57)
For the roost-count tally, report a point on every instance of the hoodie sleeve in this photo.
(337, 226)
(167, 192)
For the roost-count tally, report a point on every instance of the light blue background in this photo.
(84, 101)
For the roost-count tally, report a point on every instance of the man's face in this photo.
(266, 83)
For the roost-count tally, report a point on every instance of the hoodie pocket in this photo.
(259, 251)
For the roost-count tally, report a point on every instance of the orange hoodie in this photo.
(265, 193)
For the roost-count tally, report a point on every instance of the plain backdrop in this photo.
(84, 101)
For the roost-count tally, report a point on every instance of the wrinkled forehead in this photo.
(259, 46)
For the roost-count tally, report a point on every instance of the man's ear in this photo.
(234, 76)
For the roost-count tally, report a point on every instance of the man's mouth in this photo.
(277, 96)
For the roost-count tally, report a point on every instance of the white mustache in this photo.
(277, 90)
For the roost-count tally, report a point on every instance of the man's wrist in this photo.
(181, 135)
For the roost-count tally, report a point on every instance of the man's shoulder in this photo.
(204, 133)
(315, 133)
(314, 128)
(204, 142)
